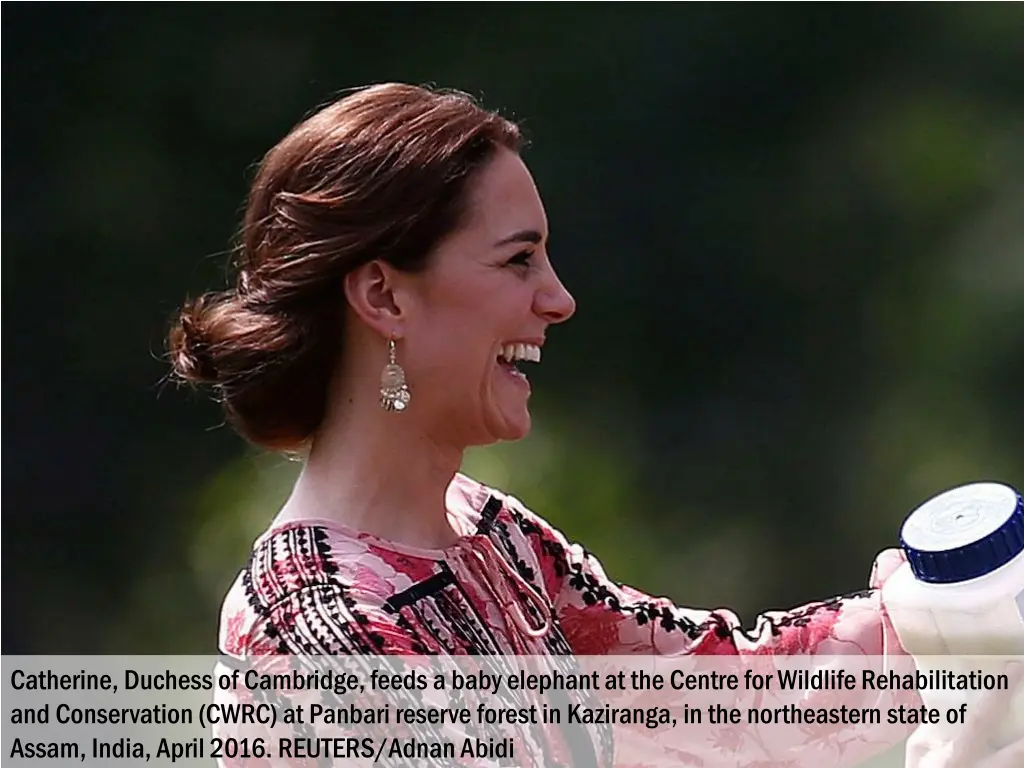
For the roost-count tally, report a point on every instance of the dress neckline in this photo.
(466, 499)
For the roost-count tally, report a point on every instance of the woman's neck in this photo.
(380, 473)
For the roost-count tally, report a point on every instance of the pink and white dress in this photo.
(513, 585)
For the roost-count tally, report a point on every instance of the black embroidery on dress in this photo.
(286, 563)
(427, 622)
(644, 611)
(421, 589)
(490, 511)
(456, 613)
(505, 539)
(249, 590)
(548, 546)
(323, 548)
(803, 616)
(434, 596)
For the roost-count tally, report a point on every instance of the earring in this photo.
(394, 393)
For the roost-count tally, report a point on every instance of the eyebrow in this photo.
(522, 236)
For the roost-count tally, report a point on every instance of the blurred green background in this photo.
(795, 234)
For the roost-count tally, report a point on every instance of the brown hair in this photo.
(380, 173)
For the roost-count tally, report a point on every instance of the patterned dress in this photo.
(513, 585)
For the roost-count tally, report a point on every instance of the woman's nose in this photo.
(554, 302)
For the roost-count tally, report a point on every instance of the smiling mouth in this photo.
(513, 356)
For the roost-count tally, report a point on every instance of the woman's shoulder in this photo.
(534, 545)
(479, 505)
(306, 576)
(516, 523)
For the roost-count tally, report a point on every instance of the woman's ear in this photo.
(373, 293)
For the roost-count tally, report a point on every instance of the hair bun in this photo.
(192, 359)
(268, 372)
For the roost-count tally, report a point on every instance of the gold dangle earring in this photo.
(394, 393)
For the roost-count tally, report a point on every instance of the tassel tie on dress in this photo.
(503, 586)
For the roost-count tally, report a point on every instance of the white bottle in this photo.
(958, 602)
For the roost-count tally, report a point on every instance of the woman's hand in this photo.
(969, 749)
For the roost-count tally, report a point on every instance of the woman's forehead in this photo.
(504, 203)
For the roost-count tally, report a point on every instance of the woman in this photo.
(394, 282)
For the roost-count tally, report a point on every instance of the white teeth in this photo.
(513, 352)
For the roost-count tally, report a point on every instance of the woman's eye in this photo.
(521, 259)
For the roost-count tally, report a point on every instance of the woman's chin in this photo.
(520, 429)
(510, 424)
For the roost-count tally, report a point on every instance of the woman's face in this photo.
(490, 293)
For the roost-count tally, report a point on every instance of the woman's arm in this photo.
(600, 617)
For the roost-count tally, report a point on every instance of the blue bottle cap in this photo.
(964, 533)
